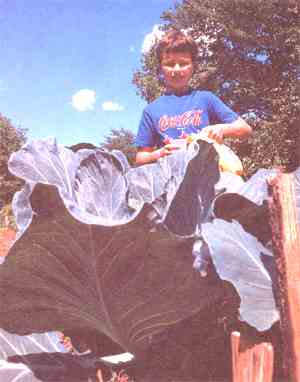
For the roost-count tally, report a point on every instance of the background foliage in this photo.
(11, 139)
(122, 140)
(248, 55)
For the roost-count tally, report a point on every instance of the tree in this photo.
(123, 140)
(147, 79)
(11, 139)
(249, 55)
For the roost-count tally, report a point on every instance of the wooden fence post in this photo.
(7, 237)
(251, 361)
(286, 243)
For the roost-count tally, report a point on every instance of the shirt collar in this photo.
(170, 92)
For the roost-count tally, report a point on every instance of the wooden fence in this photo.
(252, 361)
(7, 237)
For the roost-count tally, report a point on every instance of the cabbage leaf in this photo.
(107, 247)
(237, 256)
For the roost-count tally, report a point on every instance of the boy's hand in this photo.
(164, 151)
(173, 146)
(215, 132)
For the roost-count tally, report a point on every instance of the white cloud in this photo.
(132, 49)
(84, 100)
(151, 38)
(112, 106)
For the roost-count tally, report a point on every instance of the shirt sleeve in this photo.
(219, 112)
(146, 132)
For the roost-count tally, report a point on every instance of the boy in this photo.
(182, 111)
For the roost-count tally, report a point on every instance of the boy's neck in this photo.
(178, 92)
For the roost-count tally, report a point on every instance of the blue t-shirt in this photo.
(172, 117)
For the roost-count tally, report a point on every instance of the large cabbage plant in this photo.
(106, 247)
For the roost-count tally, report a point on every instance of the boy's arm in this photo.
(237, 129)
(152, 154)
(147, 155)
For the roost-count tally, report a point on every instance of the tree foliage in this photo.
(249, 55)
(123, 140)
(147, 79)
(11, 140)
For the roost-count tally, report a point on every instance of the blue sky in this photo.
(66, 65)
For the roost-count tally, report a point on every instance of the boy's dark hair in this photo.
(176, 41)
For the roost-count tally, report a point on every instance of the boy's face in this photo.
(177, 69)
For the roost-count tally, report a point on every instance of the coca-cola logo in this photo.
(188, 118)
